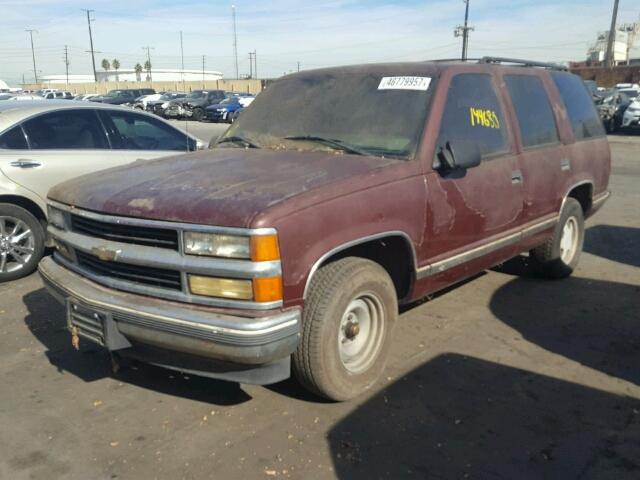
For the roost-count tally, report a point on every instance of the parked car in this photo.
(118, 97)
(44, 143)
(160, 105)
(194, 104)
(611, 108)
(58, 96)
(338, 195)
(26, 97)
(86, 97)
(631, 115)
(227, 109)
(141, 102)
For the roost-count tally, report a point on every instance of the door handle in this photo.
(516, 177)
(25, 163)
(565, 165)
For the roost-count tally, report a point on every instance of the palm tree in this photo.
(115, 63)
(147, 67)
(138, 70)
(105, 64)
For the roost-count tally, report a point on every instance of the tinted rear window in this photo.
(535, 117)
(580, 108)
(66, 129)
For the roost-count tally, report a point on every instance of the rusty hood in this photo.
(226, 186)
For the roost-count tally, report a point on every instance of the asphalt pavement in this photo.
(506, 376)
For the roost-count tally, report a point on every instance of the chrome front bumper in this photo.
(123, 321)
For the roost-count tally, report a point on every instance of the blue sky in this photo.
(283, 32)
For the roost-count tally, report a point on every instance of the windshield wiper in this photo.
(239, 140)
(332, 142)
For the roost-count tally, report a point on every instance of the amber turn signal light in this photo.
(267, 289)
(265, 248)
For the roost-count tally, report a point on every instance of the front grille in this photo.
(156, 277)
(146, 236)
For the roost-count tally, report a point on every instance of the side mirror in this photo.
(461, 155)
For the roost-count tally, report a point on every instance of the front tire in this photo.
(21, 242)
(558, 257)
(347, 323)
(198, 114)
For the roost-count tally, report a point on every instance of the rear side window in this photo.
(140, 132)
(580, 108)
(66, 130)
(472, 113)
(535, 117)
(13, 139)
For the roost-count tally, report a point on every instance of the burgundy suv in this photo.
(338, 195)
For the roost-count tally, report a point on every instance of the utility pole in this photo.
(33, 54)
(298, 66)
(255, 63)
(250, 64)
(609, 59)
(149, 60)
(235, 38)
(463, 31)
(93, 57)
(203, 57)
(182, 61)
(66, 64)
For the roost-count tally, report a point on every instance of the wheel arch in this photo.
(383, 248)
(29, 205)
(583, 193)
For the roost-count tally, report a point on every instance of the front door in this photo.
(471, 213)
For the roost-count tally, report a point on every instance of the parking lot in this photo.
(506, 376)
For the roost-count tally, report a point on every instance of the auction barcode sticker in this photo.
(404, 83)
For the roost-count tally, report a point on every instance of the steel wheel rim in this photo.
(361, 332)
(569, 240)
(17, 244)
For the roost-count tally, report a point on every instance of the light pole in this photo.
(33, 54)
(463, 31)
(93, 57)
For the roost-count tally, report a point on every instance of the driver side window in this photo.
(139, 132)
(473, 114)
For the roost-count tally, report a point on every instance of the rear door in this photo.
(139, 136)
(469, 211)
(61, 145)
(544, 161)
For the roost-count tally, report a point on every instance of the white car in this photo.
(140, 103)
(45, 143)
(85, 97)
(631, 117)
(25, 97)
(58, 96)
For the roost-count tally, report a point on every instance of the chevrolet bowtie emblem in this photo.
(105, 254)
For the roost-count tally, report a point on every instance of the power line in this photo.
(33, 54)
(93, 57)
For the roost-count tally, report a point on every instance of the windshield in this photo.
(351, 111)
(116, 93)
(196, 94)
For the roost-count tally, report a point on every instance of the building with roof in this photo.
(130, 75)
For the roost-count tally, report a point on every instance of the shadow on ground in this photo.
(620, 244)
(460, 417)
(47, 322)
(594, 322)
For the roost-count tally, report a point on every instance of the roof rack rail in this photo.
(522, 63)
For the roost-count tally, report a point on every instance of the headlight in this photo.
(56, 217)
(217, 245)
(260, 248)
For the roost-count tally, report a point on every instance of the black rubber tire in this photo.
(316, 362)
(546, 257)
(7, 209)
(197, 114)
